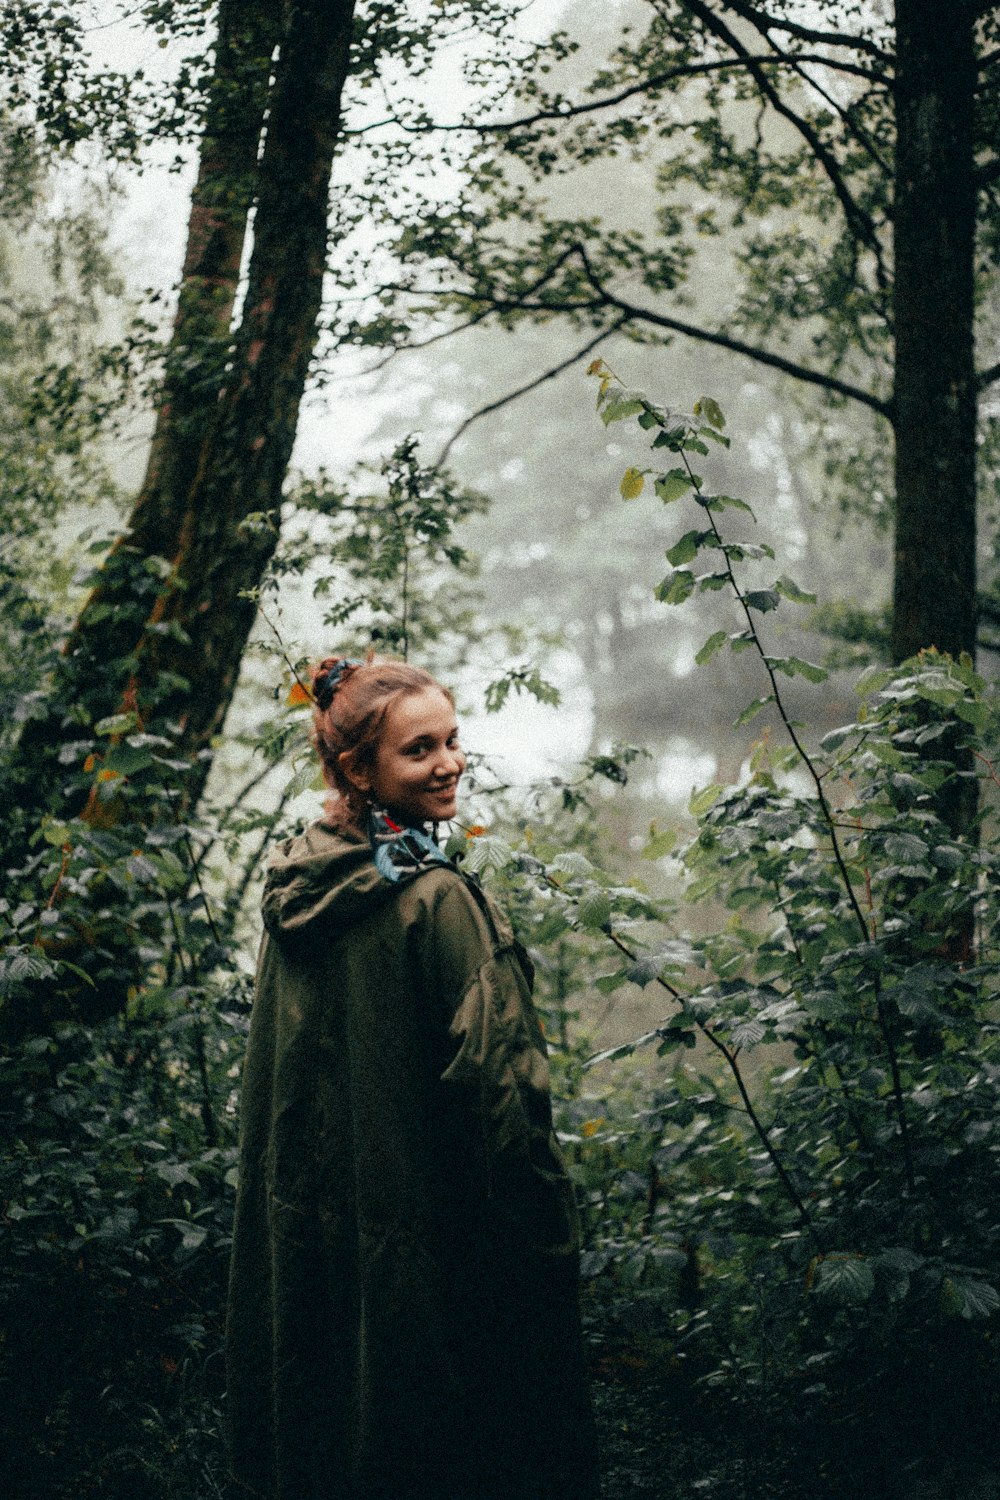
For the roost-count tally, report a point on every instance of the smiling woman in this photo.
(403, 1320)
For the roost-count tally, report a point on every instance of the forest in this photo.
(634, 366)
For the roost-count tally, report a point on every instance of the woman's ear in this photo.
(360, 777)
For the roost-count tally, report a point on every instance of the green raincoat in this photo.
(403, 1320)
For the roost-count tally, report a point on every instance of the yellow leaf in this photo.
(595, 367)
(591, 1127)
(90, 763)
(476, 830)
(633, 482)
(299, 694)
(108, 775)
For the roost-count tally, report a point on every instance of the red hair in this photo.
(355, 698)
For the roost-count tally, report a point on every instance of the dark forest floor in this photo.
(661, 1440)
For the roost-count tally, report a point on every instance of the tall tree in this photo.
(162, 634)
(163, 631)
(848, 154)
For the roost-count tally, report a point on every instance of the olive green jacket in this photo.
(403, 1318)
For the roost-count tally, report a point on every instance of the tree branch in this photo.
(862, 137)
(435, 338)
(632, 313)
(860, 223)
(532, 385)
(736, 346)
(988, 376)
(764, 22)
(643, 86)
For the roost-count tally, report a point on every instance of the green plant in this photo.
(819, 1174)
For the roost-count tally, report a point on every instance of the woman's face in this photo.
(418, 761)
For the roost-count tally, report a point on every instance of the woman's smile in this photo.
(419, 761)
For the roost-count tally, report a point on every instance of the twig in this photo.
(532, 385)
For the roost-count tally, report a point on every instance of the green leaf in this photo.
(176, 1172)
(672, 1039)
(672, 438)
(142, 869)
(633, 483)
(713, 581)
(748, 1033)
(844, 1279)
(661, 842)
(874, 679)
(741, 640)
(674, 956)
(524, 679)
(762, 600)
(793, 666)
(752, 710)
(621, 405)
(625, 1049)
(686, 548)
(791, 591)
(594, 908)
(834, 738)
(676, 587)
(608, 983)
(55, 832)
(905, 848)
(969, 1297)
(488, 852)
(725, 502)
(572, 862)
(672, 485)
(709, 411)
(118, 724)
(714, 643)
(702, 800)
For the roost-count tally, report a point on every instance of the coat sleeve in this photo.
(495, 1073)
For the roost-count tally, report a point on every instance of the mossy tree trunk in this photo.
(164, 629)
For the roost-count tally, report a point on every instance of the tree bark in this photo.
(243, 462)
(934, 401)
(164, 629)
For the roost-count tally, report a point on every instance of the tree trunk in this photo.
(166, 637)
(244, 460)
(934, 401)
(221, 201)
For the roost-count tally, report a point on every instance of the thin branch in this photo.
(761, 356)
(762, 21)
(882, 1013)
(634, 313)
(435, 338)
(730, 1058)
(986, 377)
(860, 222)
(608, 101)
(735, 345)
(850, 125)
(532, 385)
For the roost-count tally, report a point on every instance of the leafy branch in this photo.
(683, 436)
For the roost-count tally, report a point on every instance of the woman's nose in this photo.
(451, 762)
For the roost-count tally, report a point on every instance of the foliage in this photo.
(801, 1228)
(788, 1183)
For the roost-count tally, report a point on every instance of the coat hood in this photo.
(322, 875)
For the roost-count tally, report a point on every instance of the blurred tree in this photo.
(846, 156)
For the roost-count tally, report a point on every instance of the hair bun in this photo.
(327, 677)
